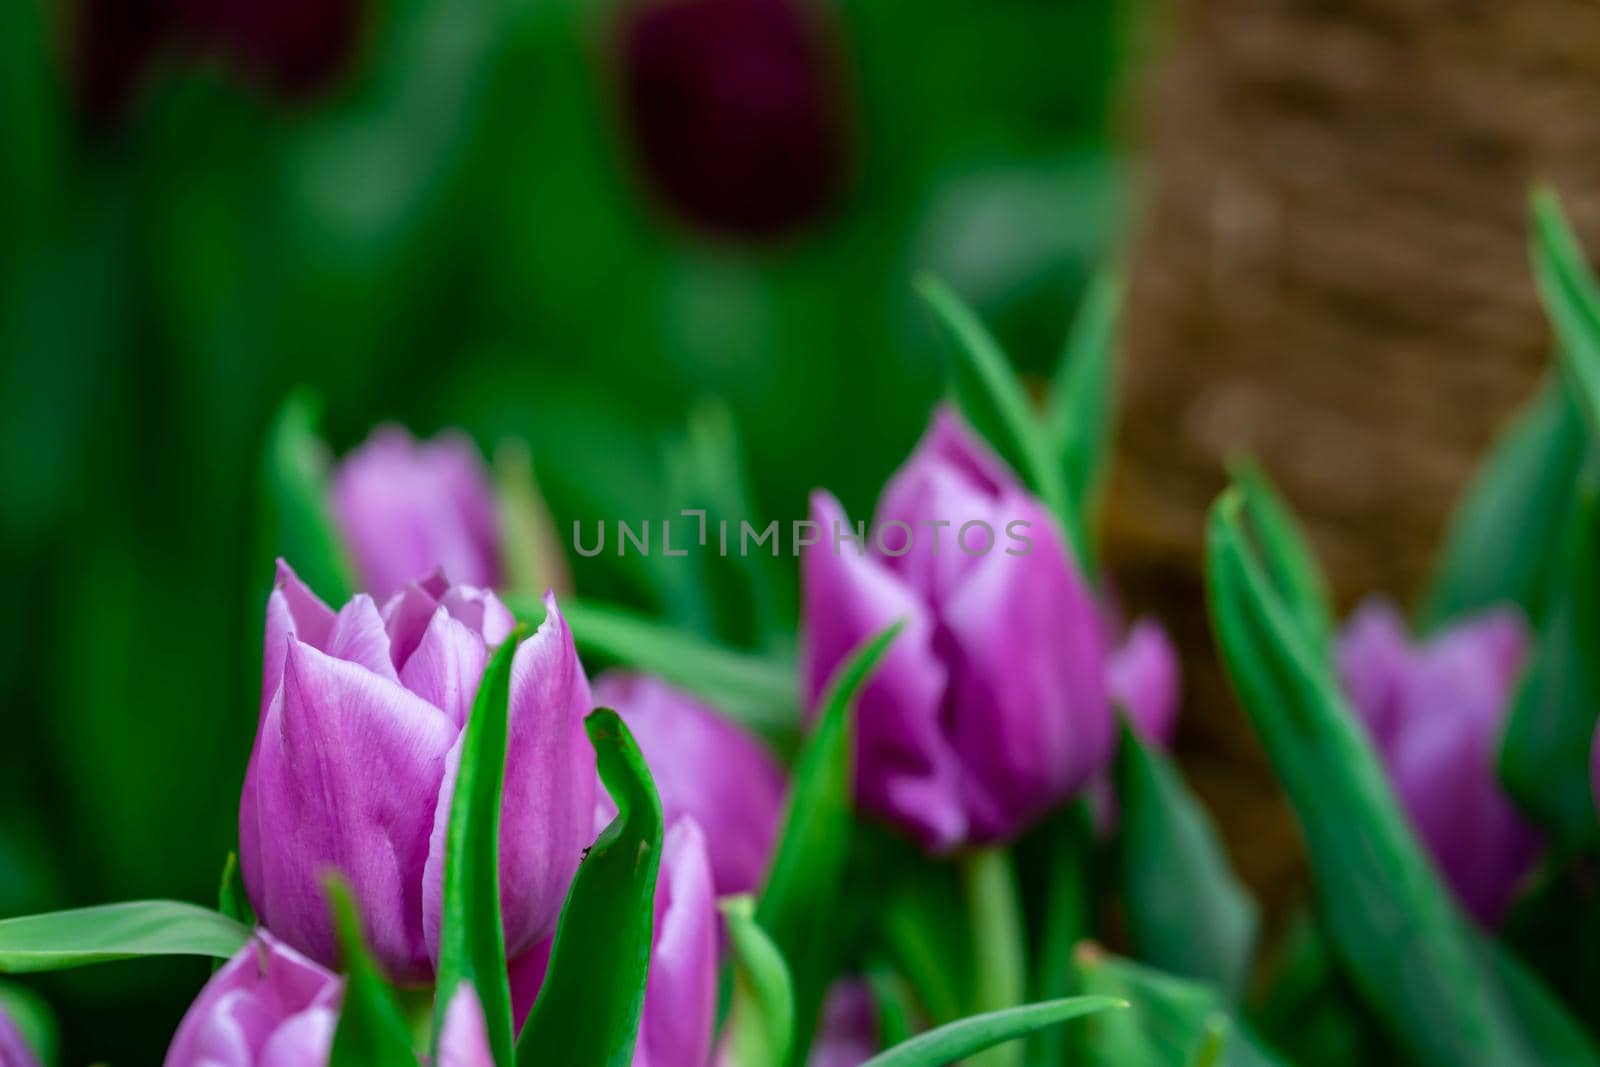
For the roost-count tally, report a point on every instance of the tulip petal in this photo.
(464, 1039)
(293, 610)
(1027, 707)
(905, 770)
(1142, 677)
(446, 666)
(360, 637)
(305, 1039)
(245, 1002)
(680, 1000)
(351, 762)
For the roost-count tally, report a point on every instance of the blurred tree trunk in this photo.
(1332, 276)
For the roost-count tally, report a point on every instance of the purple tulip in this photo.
(847, 1036)
(1435, 711)
(1143, 679)
(355, 762)
(406, 508)
(990, 707)
(268, 1006)
(680, 998)
(707, 768)
(14, 1050)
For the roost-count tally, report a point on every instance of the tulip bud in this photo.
(1435, 712)
(707, 768)
(990, 707)
(1142, 677)
(268, 1006)
(406, 508)
(734, 108)
(355, 761)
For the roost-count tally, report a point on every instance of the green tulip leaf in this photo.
(472, 946)
(1064, 849)
(964, 1037)
(296, 522)
(372, 1029)
(761, 1021)
(813, 850)
(59, 940)
(1082, 405)
(1571, 298)
(232, 900)
(587, 1014)
(1292, 568)
(1187, 911)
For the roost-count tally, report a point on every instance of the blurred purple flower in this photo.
(707, 768)
(1143, 679)
(406, 508)
(268, 1006)
(355, 761)
(735, 110)
(14, 1050)
(1435, 711)
(680, 998)
(847, 1036)
(990, 708)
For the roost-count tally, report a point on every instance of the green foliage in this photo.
(58, 940)
(587, 1014)
(296, 523)
(965, 1037)
(1081, 409)
(372, 1030)
(760, 1024)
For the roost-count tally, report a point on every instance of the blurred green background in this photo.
(495, 214)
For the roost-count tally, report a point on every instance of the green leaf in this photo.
(1082, 406)
(296, 522)
(1571, 298)
(232, 900)
(1175, 1022)
(964, 1037)
(587, 1014)
(1406, 946)
(922, 921)
(530, 550)
(1066, 843)
(372, 1030)
(808, 863)
(1187, 911)
(999, 949)
(1291, 566)
(59, 940)
(1512, 523)
(1544, 754)
(755, 690)
(992, 399)
(761, 1023)
(472, 946)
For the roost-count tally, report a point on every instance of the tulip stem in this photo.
(994, 905)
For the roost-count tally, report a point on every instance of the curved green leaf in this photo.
(992, 399)
(808, 864)
(964, 1037)
(232, 900)
(1187, 911)
(1290, 565)
(372, 1030)
(59, 940)
(295, 518)
(587, 1014)
(761, 1022)
(1571, 297)
(1082, 406)
(472, 945)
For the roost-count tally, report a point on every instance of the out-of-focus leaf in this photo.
(1555, 928)
(472, 945)
(1308, 1008)
(33, 112)
(33, 1020)
(1187, 911)
(965, 1037)
(58, 940)
(1544, 754)
(1553, 1035)
(372, 1030)
(1512, 523)
(1082, 405)
(1292, 569)
(755, 689)
(1407, 947)
(587, 1014)
(1571, 298)
(530, 551)
(232, 900)
(924, 926)
(892, 996)
(1066, 843)
(808, 864)
(992, 399)
(761, 1021)
(296, 523)
(1174, 1021)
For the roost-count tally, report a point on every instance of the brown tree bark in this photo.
(1331, 275)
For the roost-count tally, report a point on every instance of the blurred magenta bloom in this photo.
(355, 761)
(14, 1050)
(707, 768)
(990, 708)
(847, 1036)
(1143, 679)
(735, 110)
(406, 508)
(268, 1006)
(680, 997)
(1435, 711)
